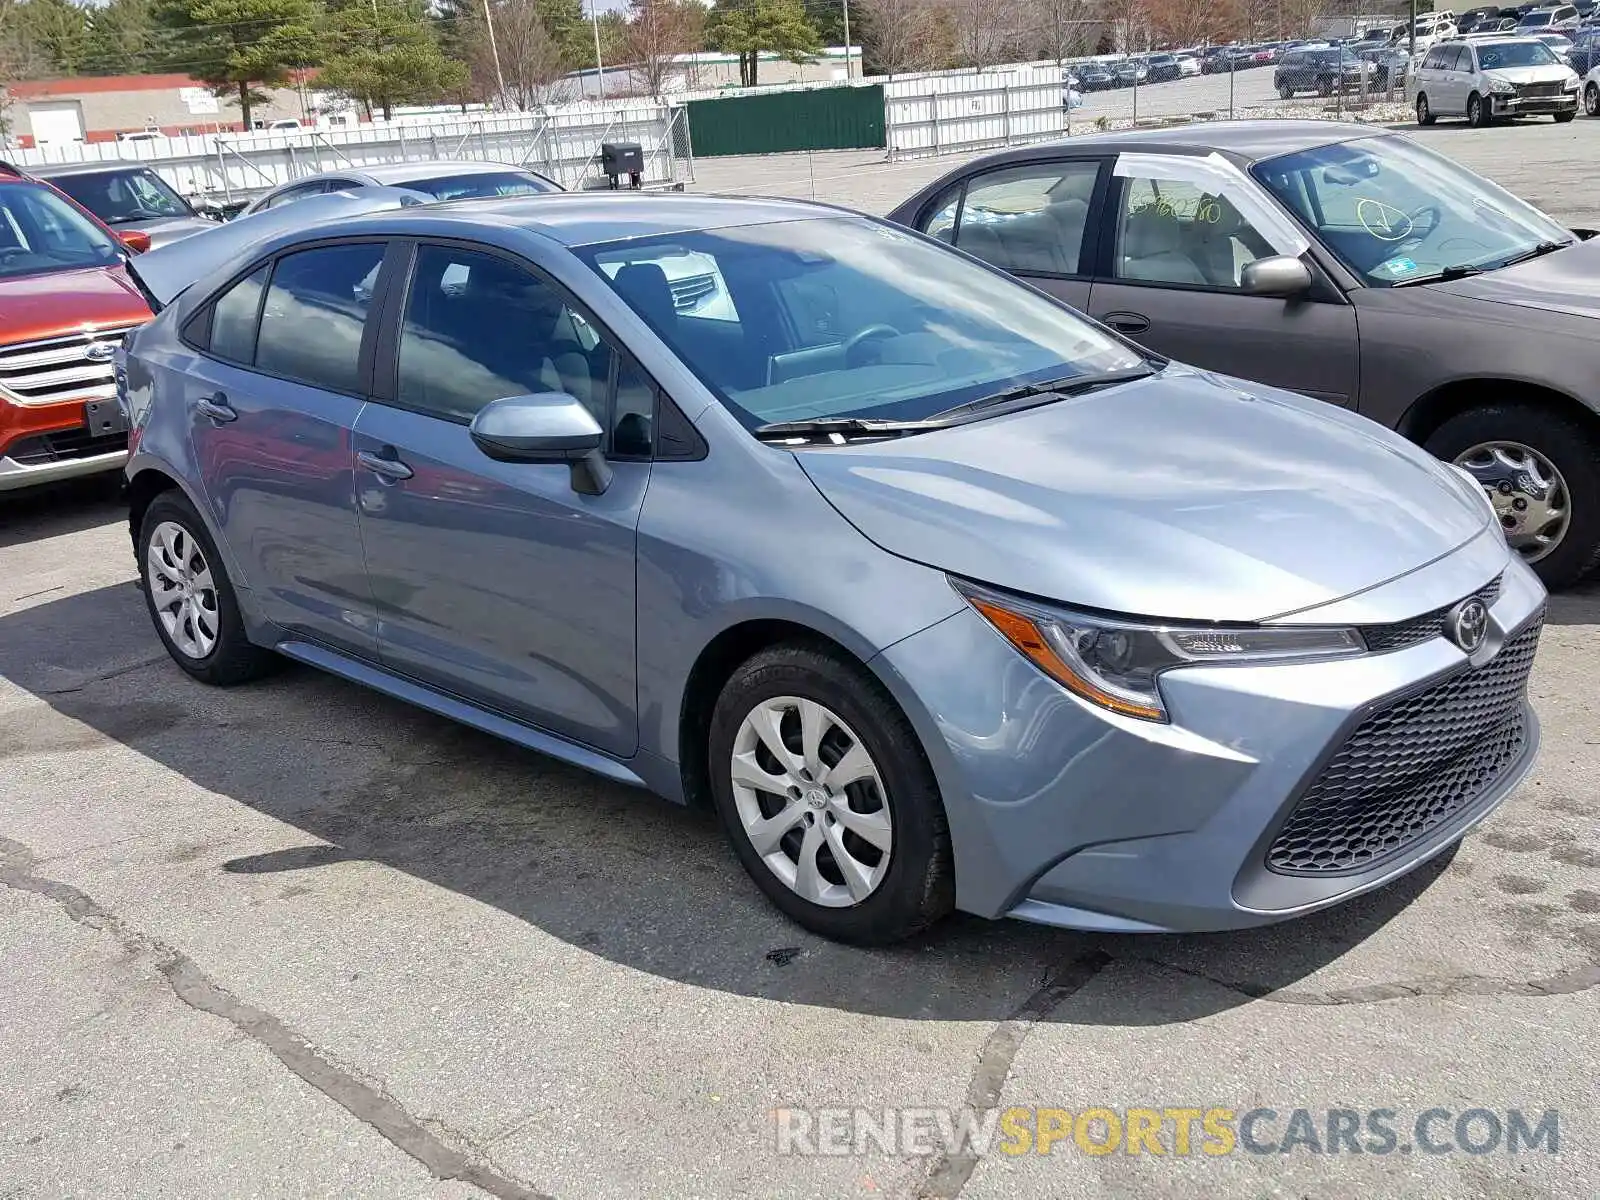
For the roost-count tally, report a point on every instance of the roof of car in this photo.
(56, 170)
(584, 218)
(407, 171)
(1248, 140)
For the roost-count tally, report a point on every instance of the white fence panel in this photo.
(949, 111)
(564, 144)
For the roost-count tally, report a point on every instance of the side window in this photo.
(942, 223)
(478, 328)
(297, 193)
(1171, 231)
(233, 318)
(1435, 59)
(1030, 218)
(315, 314)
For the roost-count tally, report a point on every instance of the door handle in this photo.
(1128, 322)
(385, 463)
(216, 407)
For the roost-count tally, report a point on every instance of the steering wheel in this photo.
(11, 251)
(865, 333)
(1433, 215)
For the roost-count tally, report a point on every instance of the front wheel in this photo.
(1591, 100)
(190, 597)
(1541, 470)
(1285, 92)
(824, 792)
(1424, 113)
(1563, 117)
(1477, 111)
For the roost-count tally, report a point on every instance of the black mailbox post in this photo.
(622, 158)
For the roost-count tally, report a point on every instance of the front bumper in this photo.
(1522, 106)
(1066, 815)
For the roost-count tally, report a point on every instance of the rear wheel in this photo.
(190, 598)
(1424, 113)
(1591, 100)
(1541, 470)
(823, 790)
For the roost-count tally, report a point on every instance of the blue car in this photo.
(940, 594)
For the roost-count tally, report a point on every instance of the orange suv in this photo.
(66, 299)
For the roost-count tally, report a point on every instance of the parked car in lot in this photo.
(1188, 65)
(433, 180)
(1552, 17)
(1591, 91)
(127, 196)
(1559, 44)
(65, 302)
(1390, 67)
(1163, 68)
(1484, 80)
(1321, 71)
(1585, 52)
(1334, 261)
(1098, 639)
(1130, 71)
(1216, 60)
(1096, 77)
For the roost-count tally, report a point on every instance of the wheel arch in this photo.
(1432, 409)
(149, 478)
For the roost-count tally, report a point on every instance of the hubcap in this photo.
(1529, 495)
(811, 801)
(181, 589)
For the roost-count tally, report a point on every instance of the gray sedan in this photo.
(439, 179)
(1335, 260)
(941, 595)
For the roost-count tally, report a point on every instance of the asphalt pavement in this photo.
(296, 939)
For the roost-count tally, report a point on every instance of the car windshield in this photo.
(1494, 55)
(844, 317)
(125, 197)
(1395, 212)
(1536, 18)
(41, 232)
(479, 184)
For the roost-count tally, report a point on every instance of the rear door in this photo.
(284, 358)
(1177, 234)
(1032, 219)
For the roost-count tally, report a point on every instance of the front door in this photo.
(1032, 220)
(273, 401)
(496, 581)
(1180, 232)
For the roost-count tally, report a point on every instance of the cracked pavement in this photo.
(299, 940)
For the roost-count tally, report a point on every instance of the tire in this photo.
(1591, 100)
(1571, 448)
(1563, 118)
(1477, 112)
(1424, 113)
(1324, 87)
(1285, 92)
(916, 887)
(224, 658)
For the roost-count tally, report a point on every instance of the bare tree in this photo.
(1065, 28)
(531, 61)
(658, 31)
(983, 31)
(1190, 22)
(900, 35)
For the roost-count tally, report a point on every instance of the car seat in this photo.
(1152, 249)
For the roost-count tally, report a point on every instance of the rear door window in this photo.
(1031, 219)
(315, 316)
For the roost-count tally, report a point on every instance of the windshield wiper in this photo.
(1459, 271)
(1028, 395)
(1538, 251)
(843, 427)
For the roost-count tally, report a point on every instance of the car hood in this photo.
(168, 270)
(1185, 495)
(62, 302)
(1549, 73)
(1567, 281)
(167, 230)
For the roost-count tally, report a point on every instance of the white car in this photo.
(1493, 78)
(1591, 91)
(1188, 65)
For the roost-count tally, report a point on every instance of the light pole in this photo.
(599, 67)
(847, 50)
(494, 51)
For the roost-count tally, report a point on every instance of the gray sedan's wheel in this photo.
(826, 797)
(1541, 470)
(190, 600)
(1591, 100)
(1424, 113)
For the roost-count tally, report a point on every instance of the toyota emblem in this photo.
(1468, 623)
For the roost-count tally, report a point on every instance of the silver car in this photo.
(128, 196)
(1486, 79)
(439, 179)
(942, 595)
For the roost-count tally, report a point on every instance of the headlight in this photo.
(1571, 85)
(1501, 88)
(1114, 663)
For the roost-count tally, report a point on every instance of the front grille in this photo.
(1409, 767)
(59, 369)
(65, 446)
(1428, 625)
(1540, 91)
(691, 289)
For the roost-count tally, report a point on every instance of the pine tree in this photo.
(384, 53)
(236, 45)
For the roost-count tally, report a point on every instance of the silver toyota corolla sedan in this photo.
(941, 594)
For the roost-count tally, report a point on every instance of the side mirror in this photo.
(1278, 275)
(546, 427)
(136, 240)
